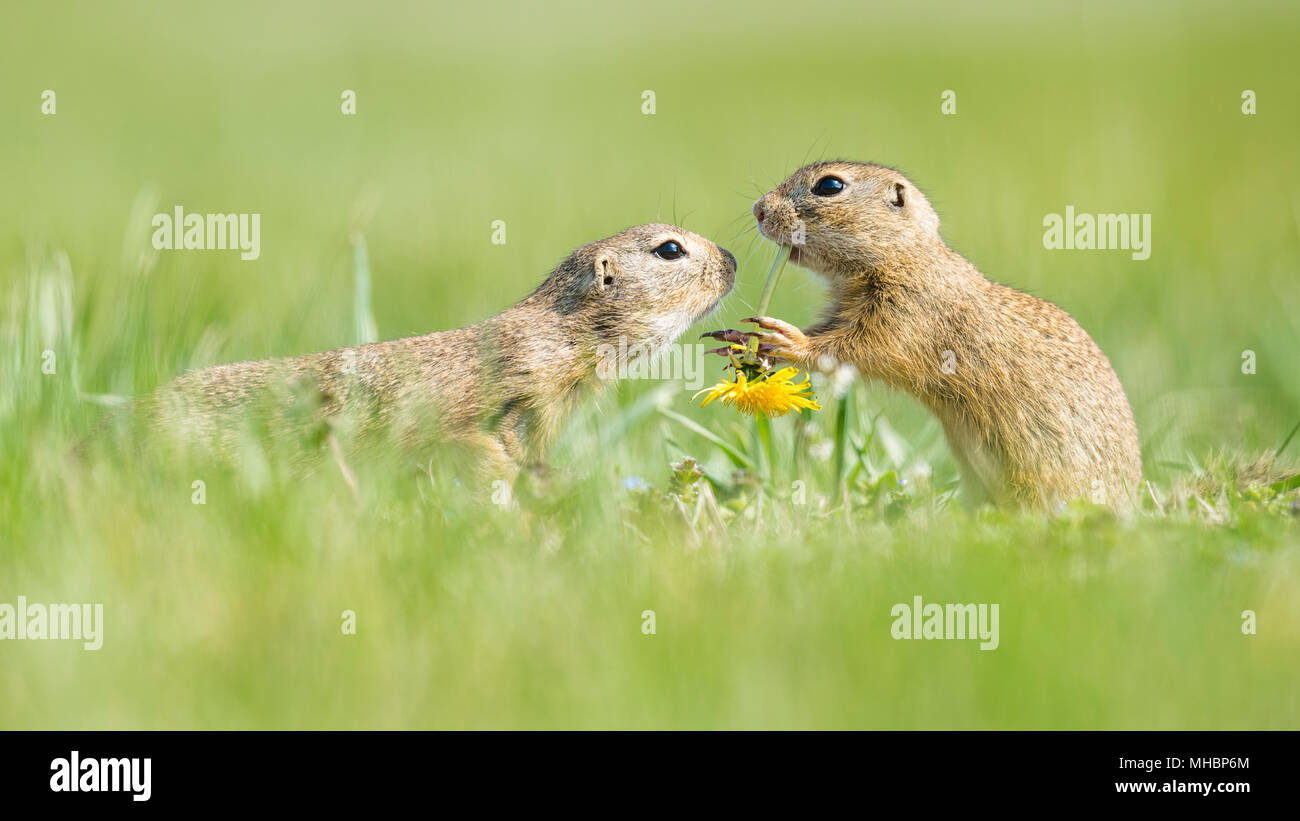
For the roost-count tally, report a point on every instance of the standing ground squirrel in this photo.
(500, 388)
(1030, 405)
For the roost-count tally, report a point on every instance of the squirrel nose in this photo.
(759, 213)
(731, 260)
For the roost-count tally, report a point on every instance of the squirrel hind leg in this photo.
(492, 459)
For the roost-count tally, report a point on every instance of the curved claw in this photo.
(777, 325)
(724, 351)
(730, 335)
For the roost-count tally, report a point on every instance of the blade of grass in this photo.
(1284, 485)
(763, 427)
(841, 436)
(363, 319)
(1286, 441)
(736, 456)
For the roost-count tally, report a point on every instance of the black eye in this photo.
(828, 186)
(670, 250)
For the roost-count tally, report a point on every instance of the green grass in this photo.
(227, 614)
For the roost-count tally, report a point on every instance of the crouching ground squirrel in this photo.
(500, 388)
(1030, 405)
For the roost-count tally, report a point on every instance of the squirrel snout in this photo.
(759, 211)
(730, 258)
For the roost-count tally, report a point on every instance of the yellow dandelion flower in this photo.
(774, 393)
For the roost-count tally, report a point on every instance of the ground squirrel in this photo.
(500, 387)
(1030, 405)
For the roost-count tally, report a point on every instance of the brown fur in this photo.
(1034, 413)
(499, 388)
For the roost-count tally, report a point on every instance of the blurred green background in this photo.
(227, 615)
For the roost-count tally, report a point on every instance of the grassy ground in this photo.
(228, 614)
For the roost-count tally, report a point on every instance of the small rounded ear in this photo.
(896, 191)
(603, 273)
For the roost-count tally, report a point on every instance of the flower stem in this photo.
(773, 275)
(762, 426)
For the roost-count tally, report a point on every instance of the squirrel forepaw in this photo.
(784, 341)
(729, 335)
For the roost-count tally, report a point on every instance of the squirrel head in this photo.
(640, 289)
(842, 218)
